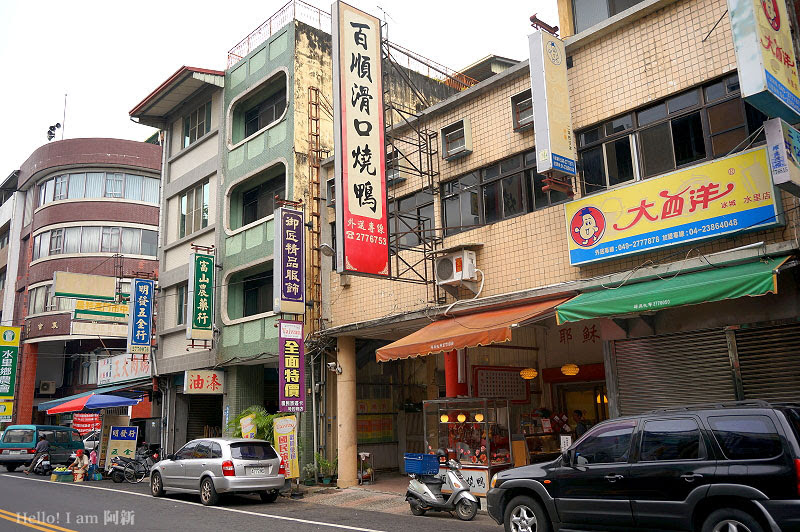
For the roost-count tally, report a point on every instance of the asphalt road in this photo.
(35, 503)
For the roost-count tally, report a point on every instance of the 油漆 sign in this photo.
(140, 324)
(291, 366)
(552, 119)
(289, 277)
(205, 381)
(199, 325)
(360, 159)
(765, 56)
(724, 196)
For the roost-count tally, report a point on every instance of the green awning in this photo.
(726, 282)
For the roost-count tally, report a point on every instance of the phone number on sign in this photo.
(714, 227)
(363, 237)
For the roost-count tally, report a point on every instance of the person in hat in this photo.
(80, 465)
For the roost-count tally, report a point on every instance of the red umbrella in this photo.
(93, 401)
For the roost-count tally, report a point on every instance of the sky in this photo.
(107, 56)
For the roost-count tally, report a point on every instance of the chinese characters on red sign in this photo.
(361, 220)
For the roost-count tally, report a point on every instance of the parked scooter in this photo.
(118, 463)
(42, 465)
(425, 491)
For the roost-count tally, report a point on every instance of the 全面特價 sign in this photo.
(140, 324)
(205, 381)
(200, 321)
(552, 118)
(291, 366)
(289, 277)
(9, 354)
(360, 159)
(765, 56)
(724, 196)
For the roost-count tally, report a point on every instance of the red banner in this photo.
(85, 423)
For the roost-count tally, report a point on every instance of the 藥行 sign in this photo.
(362, 239)
(199, 325)
(724, 196)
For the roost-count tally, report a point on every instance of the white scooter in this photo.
(425, 493)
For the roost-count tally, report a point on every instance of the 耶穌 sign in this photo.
(362, 240)
(731, 194)
(765, 56)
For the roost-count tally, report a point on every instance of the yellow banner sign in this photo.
(6, 410)
(285, 431)
(729, 195)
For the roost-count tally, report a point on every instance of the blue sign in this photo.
(140, 323)
(124, 433)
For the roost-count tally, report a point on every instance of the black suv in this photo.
(732, 467)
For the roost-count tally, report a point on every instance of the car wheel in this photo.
(12, 467)
(117, 476)
(731, 520)
(208, 494)
(156, 485)
(268, 496)
(524, 514)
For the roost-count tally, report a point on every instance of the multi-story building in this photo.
(657, 113)
(85, 206)
(187, 108)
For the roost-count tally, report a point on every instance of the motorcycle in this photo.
(425, 493)
(42, 465)
(119, 463)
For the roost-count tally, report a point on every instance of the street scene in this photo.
(312, 265)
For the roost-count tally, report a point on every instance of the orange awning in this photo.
(471, 330)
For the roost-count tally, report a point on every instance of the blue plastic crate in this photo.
(421, 464)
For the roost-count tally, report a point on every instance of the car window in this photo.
(746, 437)
(608, 443)
(76, 436)
(793, 414)
(48, 435)
(203, 450)
(18, 436)
(253, 451)
(671, 439)
(216, 450)
(62, 436)
(187, 451)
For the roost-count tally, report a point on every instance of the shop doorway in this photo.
(204, 419)
(591, 398)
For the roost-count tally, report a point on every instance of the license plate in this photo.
(16, 452)
(256, 471)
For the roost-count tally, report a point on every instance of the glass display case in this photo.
(473, 431)
(543, 435)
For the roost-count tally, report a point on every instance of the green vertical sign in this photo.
(199, 325)
(9, 353)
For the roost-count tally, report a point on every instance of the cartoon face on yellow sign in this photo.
(732, 194)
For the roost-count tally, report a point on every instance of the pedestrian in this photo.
(580, 425)
(79, 466)
(42, 447)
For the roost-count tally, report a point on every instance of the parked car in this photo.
(211, 466)
(91, 441)
(731, 467)
(19, 444)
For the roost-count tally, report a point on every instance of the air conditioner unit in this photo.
(456, 267)
(47, 387)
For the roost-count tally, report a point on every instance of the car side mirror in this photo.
(569, 457)
(172, 457)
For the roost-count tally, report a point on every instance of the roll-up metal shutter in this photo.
(204, 411)
(769, 359)
(672, 370)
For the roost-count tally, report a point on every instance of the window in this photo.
(3, 279)
(114, 184)
(72, 240)
(131, 238)
(77, 186)
(62, 436)
(746, 437)
(76, 436)
(180, 311)
(194, 209)
(257, 290)
(149, 243)
(133, 187)
(202, 450)
(411, 219)
(18, 436)
(126, 240)
(522, 110)
(197, 124)
(56, 239)
(331, 188)
(90, 239)
(609, 443)
(216, 450)
(587, 13)
(110, 240)
(187, 451)
(696, 125)
(150, 194)
(3, 238)
(457, 140)
(393, 167)
(265, 113)
(671, 439)
(252, 451)
(60, 191)
(259, 202)
(498, 192)
(38, 299)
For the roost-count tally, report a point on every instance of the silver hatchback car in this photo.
(211, 466)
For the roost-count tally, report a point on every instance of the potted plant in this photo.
(326, 468)
(310, 475)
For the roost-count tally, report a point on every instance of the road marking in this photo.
(30, 522)
(221, 508)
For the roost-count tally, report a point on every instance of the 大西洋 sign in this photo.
(728, 195)
(362, 240)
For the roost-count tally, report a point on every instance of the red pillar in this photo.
(453, 388)
(27, 384)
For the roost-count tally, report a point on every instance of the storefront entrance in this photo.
(590, 398)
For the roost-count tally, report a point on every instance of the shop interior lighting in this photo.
(479, 417)
(444, 418)
(462, 418)
(602, 398)
(528, 373)
(570, 369)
